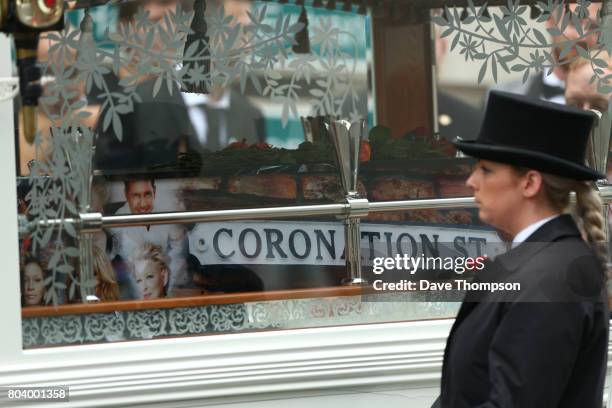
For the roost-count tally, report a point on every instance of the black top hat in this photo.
(536, 134)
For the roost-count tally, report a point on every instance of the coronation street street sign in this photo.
(322, 243)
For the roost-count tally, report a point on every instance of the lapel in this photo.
(561, 227)
(505, 264)
(493, 272)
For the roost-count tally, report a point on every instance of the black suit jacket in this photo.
(244, 121)
(151, 131)
(543, 346)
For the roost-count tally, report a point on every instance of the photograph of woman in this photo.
(545, 345)
(33, 282)
(107, 288)
(149, 270)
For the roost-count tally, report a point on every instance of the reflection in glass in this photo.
(118, 100)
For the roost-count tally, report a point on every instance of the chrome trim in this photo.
(358, 207)
(424, 204)
(346, 138)
(189, 217)
(93, 222)
(605, 192)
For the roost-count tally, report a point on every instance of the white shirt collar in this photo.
(526, 232)
(552, 80)
(193, 99)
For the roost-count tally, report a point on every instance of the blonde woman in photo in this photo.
(149, 270)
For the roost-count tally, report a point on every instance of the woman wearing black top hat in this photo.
(544, 345)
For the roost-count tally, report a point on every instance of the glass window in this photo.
(157, 108)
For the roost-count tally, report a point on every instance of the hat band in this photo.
(533, 149)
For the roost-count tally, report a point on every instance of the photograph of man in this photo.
(140, 196)
(149, 270)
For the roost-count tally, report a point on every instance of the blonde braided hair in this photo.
(588, 209)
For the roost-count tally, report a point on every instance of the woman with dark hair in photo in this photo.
(33, 277)
(545, 345)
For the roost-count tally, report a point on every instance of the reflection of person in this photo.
(162, 126)
(140, 197)
(149, 271)
(107, 288)
(551, 87)
(33, 284)
(518, 349)
(225, 115)
(222, 117)
(153, 131)
(580, 91)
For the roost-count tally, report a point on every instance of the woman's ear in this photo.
(165, 272)
(532, 183)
